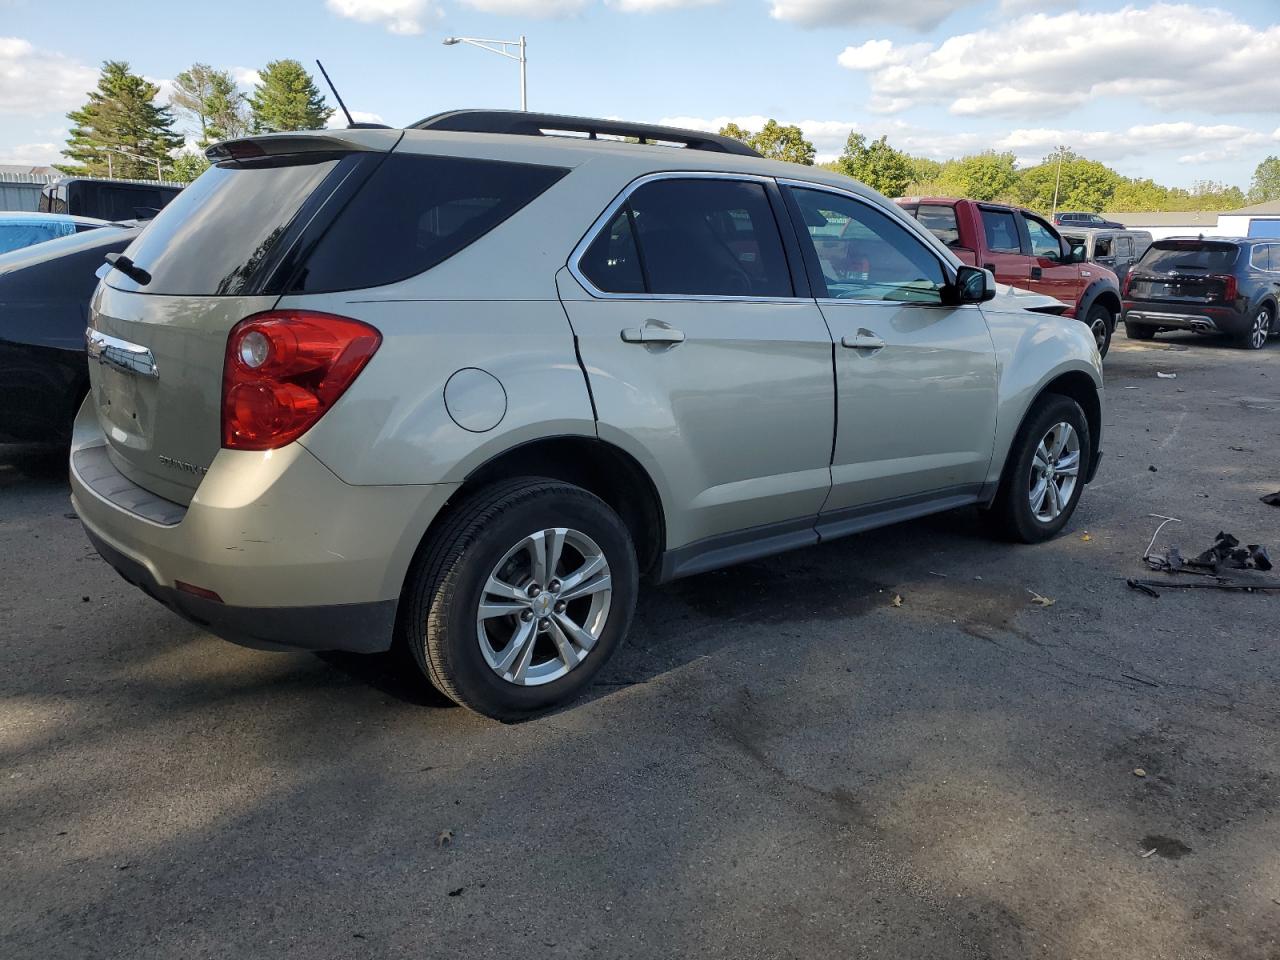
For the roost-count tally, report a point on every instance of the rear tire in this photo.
(1052, 442)
(471, 613)
(1139, 331)
(1255, 338)
(1101, 323)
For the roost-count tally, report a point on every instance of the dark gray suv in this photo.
(1220, 285)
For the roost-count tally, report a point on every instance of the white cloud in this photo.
(542, 9)
(34, 81)
(1169, 56)
(165, 89)
(32, 154)
(245, 77)
(1017, 7)
(338, 120)
(399, 16)
(917, 14)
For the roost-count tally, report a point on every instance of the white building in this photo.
(1259, 220)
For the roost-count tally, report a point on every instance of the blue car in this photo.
(18, 230)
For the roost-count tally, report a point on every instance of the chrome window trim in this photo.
(603, 221)
(948, 269)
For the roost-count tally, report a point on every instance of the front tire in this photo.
(1044, 475)
(1102, 324)
(520, 597)
(1255, 337)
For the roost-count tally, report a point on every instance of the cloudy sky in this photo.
(1178, 91)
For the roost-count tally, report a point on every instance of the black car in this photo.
(107, 199)
(1218, 285)
(44, 307)
(1080, 219)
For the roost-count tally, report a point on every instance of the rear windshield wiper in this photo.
(131, 270)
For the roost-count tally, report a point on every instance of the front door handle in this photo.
(652, 333)
(862, 340)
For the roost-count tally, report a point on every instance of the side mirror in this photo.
(1078, 254)
(973, 285)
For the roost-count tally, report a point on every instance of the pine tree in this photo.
(121, 115)
(286, 98)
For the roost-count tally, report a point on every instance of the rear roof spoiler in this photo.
(283, 144)
(523, 123)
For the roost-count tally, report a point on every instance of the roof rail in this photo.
(523, 123)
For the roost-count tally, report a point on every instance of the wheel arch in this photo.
(597, 466)
(1076, 385)
(1101, 291)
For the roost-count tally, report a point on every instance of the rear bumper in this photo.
(297, 558)
(1195, 317)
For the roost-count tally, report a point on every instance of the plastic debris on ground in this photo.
(1272, 499)
(1226, 553)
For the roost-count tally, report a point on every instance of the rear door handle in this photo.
(652, 333)
(1037, 273)
(862, 340)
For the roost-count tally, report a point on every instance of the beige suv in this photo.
(460, 386)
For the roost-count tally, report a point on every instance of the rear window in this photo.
(414, 212)
(1001, 231)
(218, 237)
(940, 221)
(1198, 256)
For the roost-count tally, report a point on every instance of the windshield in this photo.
(1189, 256)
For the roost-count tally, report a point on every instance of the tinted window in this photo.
(1044, 242)
(1193, 256)
(709, 237)
(941, 222)
(414, 212)
(612, 262)
(865, 254)
(1001, 231)
(1266, 256)
(217, 236)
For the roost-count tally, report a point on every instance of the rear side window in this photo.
(415, 212)
(1266, 256)
(219, 235)
(695, 237)
(940, 221)
(1193, 256)
(1001, 231)
(1124, 247)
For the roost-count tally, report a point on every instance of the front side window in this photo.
(691, 237)
(1001, 231)
(1101, 248)
(864, 254)
(1044, 242)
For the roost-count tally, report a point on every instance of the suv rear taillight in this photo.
(1128, 282)
(1230, 287)
(284, 369)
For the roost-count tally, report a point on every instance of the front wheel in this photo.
(1101, 323)
(1044, 475)
(1255, 337)
(520, 597)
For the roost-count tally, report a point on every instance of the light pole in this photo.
(1058, 180)
(124, 152)
(500, 47)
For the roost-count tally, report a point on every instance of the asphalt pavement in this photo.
(781, 763)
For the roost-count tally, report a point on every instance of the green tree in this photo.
(774, 141)
(286, 98)
(1082, 184)
(209, 99)
(924, 170)
(982, 176)
(1144, 196)
(187, 166)
(1211, 195)
(877, 164)
(121, 115)
(1266, 181)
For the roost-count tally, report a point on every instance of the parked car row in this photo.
(321, 416)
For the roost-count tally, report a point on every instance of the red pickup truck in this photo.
(1023, 250)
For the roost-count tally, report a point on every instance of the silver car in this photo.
(460, 386)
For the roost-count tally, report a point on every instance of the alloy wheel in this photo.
(1260, 330)
(544, 606)
(1055, 470)
(1099, 330)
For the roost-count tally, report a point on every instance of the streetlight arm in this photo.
(487, 45)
